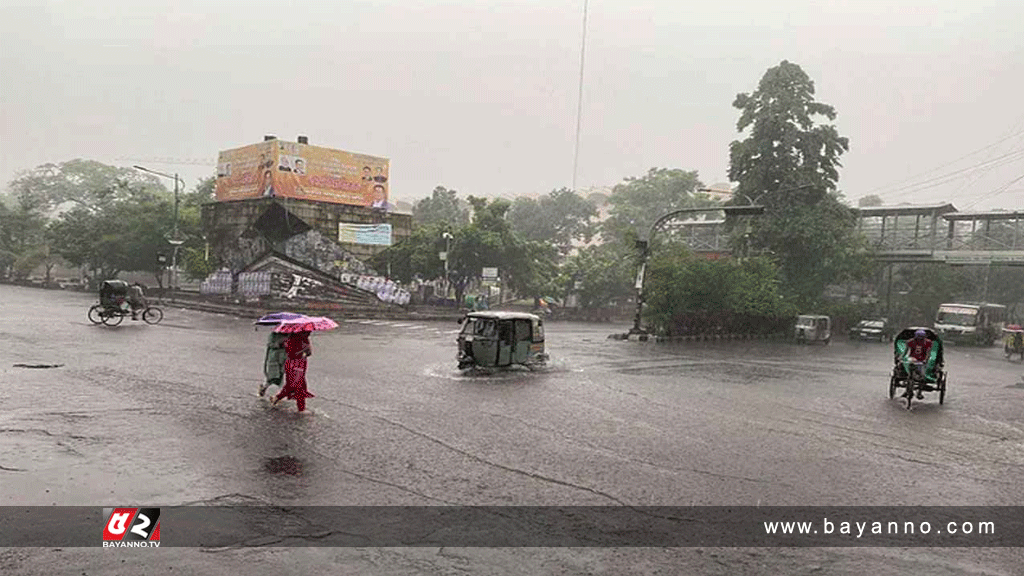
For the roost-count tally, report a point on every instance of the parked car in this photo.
(872, 329)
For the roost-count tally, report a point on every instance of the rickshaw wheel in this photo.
(96, 314)
(112, 319)
(942, 389)
(892, 387)
(153, 315)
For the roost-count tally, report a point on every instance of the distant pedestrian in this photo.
(297, 348)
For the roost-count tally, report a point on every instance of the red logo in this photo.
(131, 524)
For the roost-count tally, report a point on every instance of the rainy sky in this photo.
(481, 95)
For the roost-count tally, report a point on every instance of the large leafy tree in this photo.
(122, 236)
(24, 243)
(528, 268)
(443, 205)
(559, 217)
(86, 183)
(789, 162)
(638, 202)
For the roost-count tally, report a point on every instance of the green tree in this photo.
(637, 203)
(527, 268)
(23, 233)
(686, 294)
(443, 205)
(869, 201)
(84, 183)
(417, 255)
(121, 236)
(559, 217)
(790, 164)
(600, 275)
(192, 255)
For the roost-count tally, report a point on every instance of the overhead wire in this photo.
(1017, 130)
(1002, 189)
(948, 177)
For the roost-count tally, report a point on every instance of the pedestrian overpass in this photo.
(904, 234)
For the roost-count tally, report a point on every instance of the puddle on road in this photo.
(284, 465)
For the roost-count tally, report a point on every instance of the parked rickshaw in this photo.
(812, 328)
(904, 374)
(114, 305)
(501, 340)
(1013, 341)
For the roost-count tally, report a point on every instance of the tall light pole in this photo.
(643, 246)
(447, 250)
(579, 102)
(174, 241)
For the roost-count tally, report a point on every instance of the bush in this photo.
(692, 295)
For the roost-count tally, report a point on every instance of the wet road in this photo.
(168, 415)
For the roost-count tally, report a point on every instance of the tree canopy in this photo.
(559, 217)
(442, 206)
(637, 202)
(790, 164)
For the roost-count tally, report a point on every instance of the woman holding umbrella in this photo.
(297, 348)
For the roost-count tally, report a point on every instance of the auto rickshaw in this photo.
(1013, 341)
(501, 340)
(813, 328)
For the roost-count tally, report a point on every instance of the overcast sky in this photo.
(481, 95)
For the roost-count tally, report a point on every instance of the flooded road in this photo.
(168, 415)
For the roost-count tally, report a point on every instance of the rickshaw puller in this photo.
(136, 299)
(918, 349)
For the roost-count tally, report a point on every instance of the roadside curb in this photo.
(695, 337)
(243, 311)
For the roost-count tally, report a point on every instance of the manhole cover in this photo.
(284, 465)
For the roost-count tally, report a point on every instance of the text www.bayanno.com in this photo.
(888, 528)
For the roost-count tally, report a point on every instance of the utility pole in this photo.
(174, 240)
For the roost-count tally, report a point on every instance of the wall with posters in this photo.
(279, 169)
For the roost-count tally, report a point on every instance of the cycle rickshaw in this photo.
(905, 373)
(114, 306)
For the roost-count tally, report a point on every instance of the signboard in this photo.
(291, 170)
(982, 257)
(489, 274)
(958, 310)
(372, 234)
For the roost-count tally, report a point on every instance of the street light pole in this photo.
(174, 241)
(447, 249)
(643, 245)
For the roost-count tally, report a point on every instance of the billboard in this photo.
(371, 234)
(291, 170)
(245, 172)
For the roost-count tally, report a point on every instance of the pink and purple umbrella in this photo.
(306, 324)
(278, 317)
